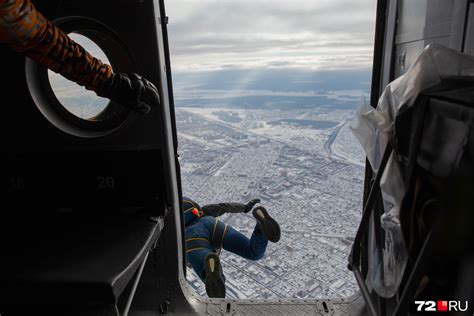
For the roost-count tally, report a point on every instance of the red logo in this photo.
(442, 306)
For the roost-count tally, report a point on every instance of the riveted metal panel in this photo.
(283, 307)
(411, 16)
(406, 53)
(422, 22)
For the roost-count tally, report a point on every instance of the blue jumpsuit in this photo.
(205, 233)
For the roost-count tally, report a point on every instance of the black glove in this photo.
(131, 91)
(249, 206)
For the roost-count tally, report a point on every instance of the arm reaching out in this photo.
(216, 210)
(222, 208)
(27, 31)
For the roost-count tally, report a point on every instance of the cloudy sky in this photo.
(314, 35)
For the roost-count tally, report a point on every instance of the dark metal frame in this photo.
(135, 285)
(124, 305)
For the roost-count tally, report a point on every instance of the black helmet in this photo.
(192, 211)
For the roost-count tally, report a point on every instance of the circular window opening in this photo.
(79, 101)
(71, 107)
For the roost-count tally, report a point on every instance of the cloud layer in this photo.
(210, 35)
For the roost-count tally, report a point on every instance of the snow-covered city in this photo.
(305, 166)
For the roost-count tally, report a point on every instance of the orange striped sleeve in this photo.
(26, 30)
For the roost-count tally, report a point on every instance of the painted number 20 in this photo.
(105, 182)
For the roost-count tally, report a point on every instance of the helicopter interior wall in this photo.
(47, 170)
(133, 151)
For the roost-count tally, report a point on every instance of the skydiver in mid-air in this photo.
(206, 235)
(27, 31)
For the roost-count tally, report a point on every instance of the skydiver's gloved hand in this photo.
(131, 91)
(249, 206)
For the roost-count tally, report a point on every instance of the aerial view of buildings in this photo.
(307, 169)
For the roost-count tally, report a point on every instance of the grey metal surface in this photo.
(248, 307)
(389, 42)
(469, 35)
(204, 306)
(423, 22)
(406, 53)
(438, 11)
(411, 16)
(416, 16)
(458, 24)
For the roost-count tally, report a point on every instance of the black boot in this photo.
(268, 226)
(215, 280)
